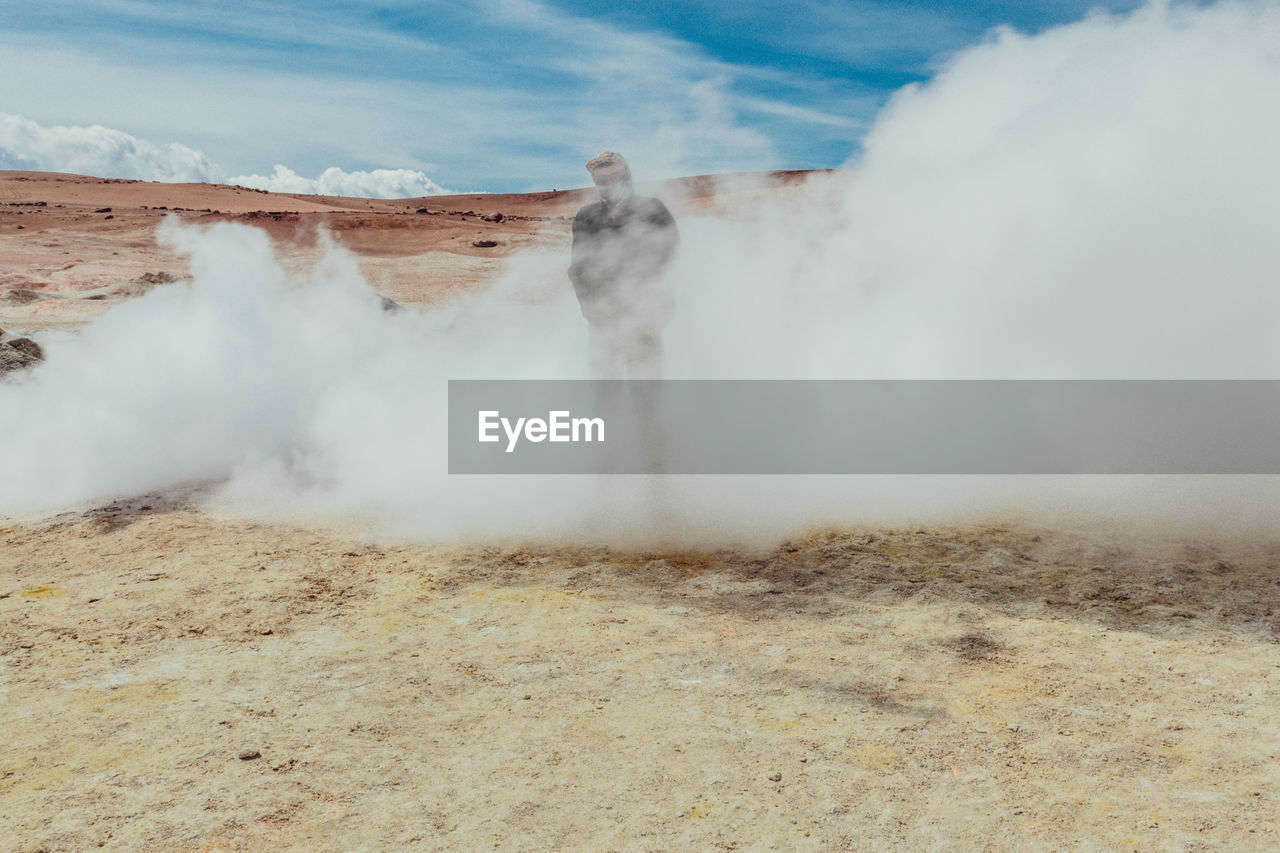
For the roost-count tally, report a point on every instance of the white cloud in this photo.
(379, 183)
(108, 153)
(96, 150)
(522, 101)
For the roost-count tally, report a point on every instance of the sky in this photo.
(397, 97)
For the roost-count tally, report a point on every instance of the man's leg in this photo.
(603, 352)
(605, 364)
(644, 355)
(645, 365)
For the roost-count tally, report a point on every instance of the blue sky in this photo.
(508, 95)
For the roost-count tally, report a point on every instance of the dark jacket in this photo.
(619, 254)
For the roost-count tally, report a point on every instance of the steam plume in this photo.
(1098, 201)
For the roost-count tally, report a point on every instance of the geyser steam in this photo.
(1098, 201)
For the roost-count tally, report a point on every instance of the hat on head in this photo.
(607, 158)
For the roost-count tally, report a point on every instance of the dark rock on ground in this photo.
(157, 278)
(18, 353)
(28, 346)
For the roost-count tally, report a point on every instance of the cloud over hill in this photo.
(110, 153)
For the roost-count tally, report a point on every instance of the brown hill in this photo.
(73, 244)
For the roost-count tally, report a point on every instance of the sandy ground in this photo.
(73, 246)
(173, 681)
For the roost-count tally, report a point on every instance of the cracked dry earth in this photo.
(174, 682)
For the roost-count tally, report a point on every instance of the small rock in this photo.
(103, 210)
(249, 753)
(527, 696)
(157, 278)
(776, 777)
(27, 346)
(22, 296)
(19, 353)
(493, 217)
(484, 244)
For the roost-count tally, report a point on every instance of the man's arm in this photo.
(575, 252)
(658, 240)
(669, 235)
(582, 271)
(655, 238)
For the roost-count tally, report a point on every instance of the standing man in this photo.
(621, 246)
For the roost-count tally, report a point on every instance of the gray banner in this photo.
(864, 427)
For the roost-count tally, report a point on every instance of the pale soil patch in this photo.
(994, 687)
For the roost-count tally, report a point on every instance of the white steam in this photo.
(1100, 201)
(106, 152)
(1097, 201)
